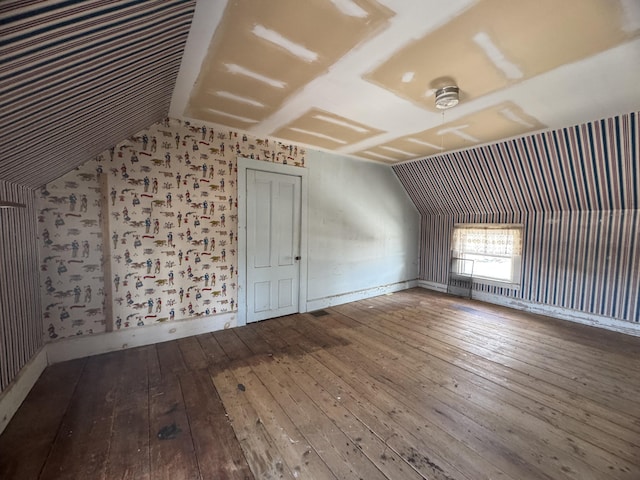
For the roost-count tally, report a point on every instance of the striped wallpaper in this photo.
(20, 311)
(575, 190)
(589, 167)
(586, 261)
(78, 77)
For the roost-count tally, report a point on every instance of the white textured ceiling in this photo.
(356, 76)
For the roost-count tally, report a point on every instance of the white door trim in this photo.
(245, 164)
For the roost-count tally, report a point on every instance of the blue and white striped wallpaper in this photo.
(586, 261)
(576, 190)
(20, 312)
(77, 77)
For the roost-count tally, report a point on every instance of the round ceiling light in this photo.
(447, 97)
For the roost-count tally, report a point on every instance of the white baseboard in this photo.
(13, 396)
(438, 287)
(326, 302)
(86, 345)
(608, 323)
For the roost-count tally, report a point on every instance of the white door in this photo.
(273, 244)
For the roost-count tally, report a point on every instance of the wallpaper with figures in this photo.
(172, 228)
(71, 254)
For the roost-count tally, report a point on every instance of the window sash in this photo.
(494, 241)
(490, 241)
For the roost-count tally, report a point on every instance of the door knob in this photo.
(298, 257)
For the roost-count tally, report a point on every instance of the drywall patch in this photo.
(511, 70)
(258, 49)
(499, 121)
(496, 43)
(378, 157)
(324, 129)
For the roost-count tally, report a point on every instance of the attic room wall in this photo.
(20, 314)
(363, 230)
(575, 190)
(171, 206)
(584, 261)
(171, 194)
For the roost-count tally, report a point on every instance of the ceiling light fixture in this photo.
(447, 97)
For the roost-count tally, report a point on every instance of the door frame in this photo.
(245, 164)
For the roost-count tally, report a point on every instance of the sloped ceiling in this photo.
(79, 77)
(358, 76)
(590, 167)
(351, 76)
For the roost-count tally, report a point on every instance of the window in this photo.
(489, 253)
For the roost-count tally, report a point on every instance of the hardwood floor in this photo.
(405, 386)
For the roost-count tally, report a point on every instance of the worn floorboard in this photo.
(34, 428)
(82, 444)
(414, 385)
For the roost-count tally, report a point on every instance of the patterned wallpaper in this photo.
(585, 261)
(577, 192)
(171, 202)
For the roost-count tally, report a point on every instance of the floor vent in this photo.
(319, 313)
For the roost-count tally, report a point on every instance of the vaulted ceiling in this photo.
(594, 166)
(76, 78)
(352, 76)
(358, 76)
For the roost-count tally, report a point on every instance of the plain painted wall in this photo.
(363, 228)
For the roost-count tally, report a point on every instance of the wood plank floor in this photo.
(414, 385)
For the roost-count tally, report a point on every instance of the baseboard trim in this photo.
(326, 302)
(87, 345)
(13, 396)
(561, 313)
(438, 287)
